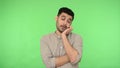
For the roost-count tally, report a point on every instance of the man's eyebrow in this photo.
(65, 16)
(62, 16)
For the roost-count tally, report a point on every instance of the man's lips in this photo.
(64, 27)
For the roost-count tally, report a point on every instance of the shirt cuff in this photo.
(52, 63)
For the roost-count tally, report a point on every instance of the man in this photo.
(62, 49)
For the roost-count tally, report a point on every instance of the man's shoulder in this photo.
(47, 36)
(75, 35)
(76, 38)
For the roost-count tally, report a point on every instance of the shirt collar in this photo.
(59, 36)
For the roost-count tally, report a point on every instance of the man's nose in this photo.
(65, 22)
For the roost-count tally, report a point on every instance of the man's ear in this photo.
(56, 18)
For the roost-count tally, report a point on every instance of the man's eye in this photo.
(69, 21)
(62, 18)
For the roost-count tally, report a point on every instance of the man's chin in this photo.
(61, 31)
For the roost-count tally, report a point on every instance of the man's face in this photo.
(63, 21)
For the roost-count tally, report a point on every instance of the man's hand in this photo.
(70, 51)
(67, 31)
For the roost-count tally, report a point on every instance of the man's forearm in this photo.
(71, 52)
(59, 61)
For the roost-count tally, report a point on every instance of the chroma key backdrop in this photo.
(24, 22)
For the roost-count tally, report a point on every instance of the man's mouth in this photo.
(64, 27)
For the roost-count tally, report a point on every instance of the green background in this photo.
(24, 22)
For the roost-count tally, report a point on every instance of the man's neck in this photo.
(58, 33)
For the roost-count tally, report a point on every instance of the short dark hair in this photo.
(66, 10)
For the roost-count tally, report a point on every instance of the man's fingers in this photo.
(68, 26)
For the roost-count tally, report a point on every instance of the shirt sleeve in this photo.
(77, 44)
(46, 54)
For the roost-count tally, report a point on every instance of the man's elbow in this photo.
(49, 62)
(72, 60)
(76, 59)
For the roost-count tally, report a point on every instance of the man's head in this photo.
(64, 19)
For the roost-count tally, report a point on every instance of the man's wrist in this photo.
(63, 36)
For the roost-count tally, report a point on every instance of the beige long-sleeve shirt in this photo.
(51, 46)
